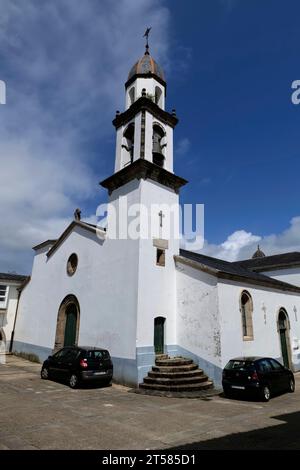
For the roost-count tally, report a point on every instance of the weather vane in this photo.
(146, 35)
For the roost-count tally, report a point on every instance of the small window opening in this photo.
(160, 257)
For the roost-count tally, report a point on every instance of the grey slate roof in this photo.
(282, 260)
(13, 277)
(227, 270)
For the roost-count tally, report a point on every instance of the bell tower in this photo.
(145, 129)
(144, 177)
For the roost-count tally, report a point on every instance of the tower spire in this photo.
(146, 35)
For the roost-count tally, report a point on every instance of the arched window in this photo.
(158, 96)
(157, 151)
(128, 144)
(131, 96)
(246, 306)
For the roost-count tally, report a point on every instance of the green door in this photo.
(284, 349)
(71, 323)
(159, 335)
(283, 341)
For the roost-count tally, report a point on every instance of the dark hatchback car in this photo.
(76, 365)
(259, 376)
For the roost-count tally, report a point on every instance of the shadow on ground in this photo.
(284, 436)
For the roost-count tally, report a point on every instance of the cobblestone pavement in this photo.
(37, 414)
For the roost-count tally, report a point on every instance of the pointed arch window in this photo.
(246, 308)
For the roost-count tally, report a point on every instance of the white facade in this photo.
(209, 321)
(266, 305)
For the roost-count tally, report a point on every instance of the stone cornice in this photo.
(145, 104)
(143, 169)
(143, 75)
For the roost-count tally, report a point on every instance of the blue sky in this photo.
(229, 67)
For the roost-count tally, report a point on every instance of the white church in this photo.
(143, 296)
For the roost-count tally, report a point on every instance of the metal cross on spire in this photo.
(146, 35)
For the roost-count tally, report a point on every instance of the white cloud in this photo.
(241, 244)
(182, 146)
(64, 63)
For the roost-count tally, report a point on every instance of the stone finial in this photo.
(77, 214)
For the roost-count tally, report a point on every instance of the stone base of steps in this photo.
(177, 388)
(175, 375)
(176, 381)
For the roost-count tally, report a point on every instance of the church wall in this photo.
(290, 275)
(105, 284)
(157, 284)
(266, 305)
(198, 326)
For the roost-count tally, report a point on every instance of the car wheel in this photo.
(45, 373)
(266, 393)
(73, 381)
(291, 386)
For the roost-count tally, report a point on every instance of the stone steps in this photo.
(174, 362)
(177, 374)
(166, 369)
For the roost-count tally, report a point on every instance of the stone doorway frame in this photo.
(287, 335)
(61, 321)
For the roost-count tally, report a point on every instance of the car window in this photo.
(61, 353)
(239, 365)
(264, 366)
(275, 365)
(71, 355)
(97, 354)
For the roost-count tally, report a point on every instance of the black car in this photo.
(79, 364)
(260, 376)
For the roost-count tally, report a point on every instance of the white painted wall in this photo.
(266, 338)
(105, 285)
(290, 275)
(198, 326)
(7, 315)
(157, 284)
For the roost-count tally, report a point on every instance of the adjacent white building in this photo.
(10, 290)
(140, 296)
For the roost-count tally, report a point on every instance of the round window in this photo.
(72, 264)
